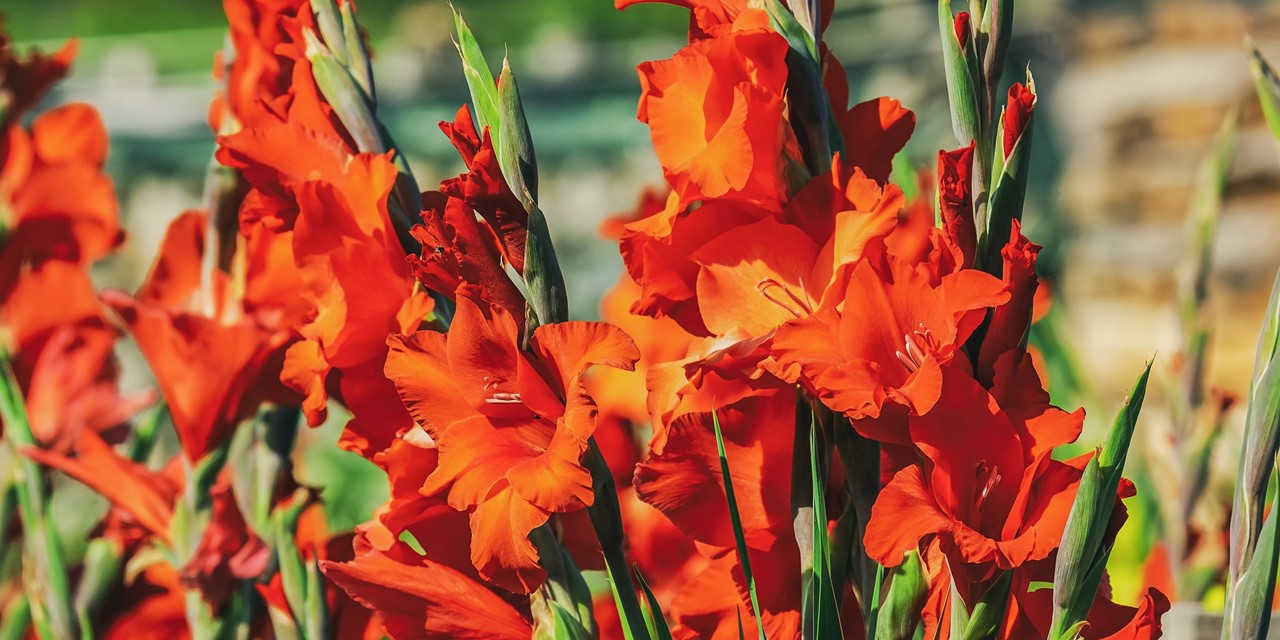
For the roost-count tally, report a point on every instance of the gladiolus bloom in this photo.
(511, 426)
(988, 488)
(715, 113)
(900, 324)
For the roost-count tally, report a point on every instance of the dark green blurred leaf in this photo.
(739, 536)
(1267, 84)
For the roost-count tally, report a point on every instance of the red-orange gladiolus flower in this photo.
(511, 426)
(899, 324)
(987, 488)
(56, 202)
(716, 115)
(754, 277)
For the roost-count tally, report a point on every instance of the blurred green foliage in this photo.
(504, 21)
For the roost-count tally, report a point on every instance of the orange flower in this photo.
(511, 426)
(342, 241)
(716, 114)
(621, 393)
(277, 158)
(656, 251)
(755, 277)
(705, 16)
(73, 386)
(988, 488)
(1011, 321)
(1031, 611)
(1022, 101)
(23, 82)
(683, 481)
(484, 189)
(417, 598)
(154, 607)
(144, 495)
(255, 76)
(214, 364)
(456, 247)
(62, 355)
(955, 200)
(55, 200)
(212, 374)
(874, 132)
(899, 324)
(432, 594)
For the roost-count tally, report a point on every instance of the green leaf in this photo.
(1259, 449)
(653, 616)
(360, 64)
(316, 614)
(808, 13)
(567, 626)
(350, 486)
(49, 590)
(786, 24)
(826, 608)
(959, 63)
(548, 297)
(515, 144)
(16, 619)
(1248, 613)
(984, 620)
(632, 629)
(293, 569)
(484, 92)
(959, 611)
(143, 438)
(739, 536)
(997, 25)
(1083, 553)
(1267, 84)
(1202, 223)
(908, 588)
(329, 22)
(348, 99)
(606, 519)
(102, 565)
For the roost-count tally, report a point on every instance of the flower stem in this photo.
(50, 592)
(606, 518)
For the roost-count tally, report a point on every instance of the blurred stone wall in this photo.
(1138, 106)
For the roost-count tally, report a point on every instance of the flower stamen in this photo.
(917, 346)
(792, 303)
(992, 480)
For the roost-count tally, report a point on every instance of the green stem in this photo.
(802, 504)
(861, 460)
(606, 519)
(873, 612)
(50, 592)
(15, 619)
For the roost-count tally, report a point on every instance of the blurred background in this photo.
(1131, 94)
